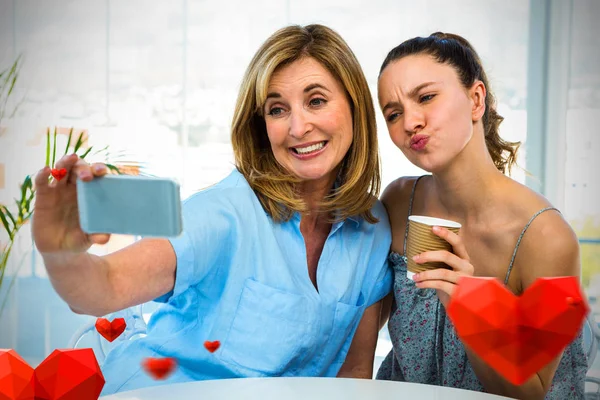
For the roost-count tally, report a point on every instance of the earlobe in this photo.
(478, 94)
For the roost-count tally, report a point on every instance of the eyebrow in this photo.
(412, 93)
(307, 89)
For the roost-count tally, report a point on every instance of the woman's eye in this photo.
(427, 97)
(393, 116)
(317, 101)
(275, 111)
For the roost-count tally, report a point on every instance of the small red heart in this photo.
(159, 368)
(517, 336)
(58, 174)
(110, 330)
(212, 346)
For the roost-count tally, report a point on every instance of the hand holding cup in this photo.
(436, 254)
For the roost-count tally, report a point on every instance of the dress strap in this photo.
(410, 205)
(512, 260)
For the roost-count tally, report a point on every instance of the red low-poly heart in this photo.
(517, 336)
(16, 377)
(212, 346)
(72, 374)
(110, 330)
(159, 368)
(58, 174)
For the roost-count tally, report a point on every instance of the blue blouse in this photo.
(243, 279)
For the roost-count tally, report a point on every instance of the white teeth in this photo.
(310, 149)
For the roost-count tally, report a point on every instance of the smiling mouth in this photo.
(313, 148)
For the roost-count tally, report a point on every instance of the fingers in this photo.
(100, 238)
(440, 274)
(99, 169)
(78, 168)
(40, 181)
(67, 163)
(458, 246)
(81, 170)
(86, 172)
(441, 279)
(443, 286)
(452, 260)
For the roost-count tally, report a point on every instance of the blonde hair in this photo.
(359, 176)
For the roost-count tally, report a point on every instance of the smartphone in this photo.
(130, 205)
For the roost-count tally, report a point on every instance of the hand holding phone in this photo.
(55, 220)
(131, 205)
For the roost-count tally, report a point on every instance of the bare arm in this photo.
(97, 286)
(549, 248)
(386, 309)
(395, 199)
(88, 283)
(360, 357)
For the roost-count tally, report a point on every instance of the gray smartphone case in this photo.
(130, 205)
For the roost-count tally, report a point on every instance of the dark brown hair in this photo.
(457, 52)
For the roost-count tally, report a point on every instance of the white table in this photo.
(299, 388)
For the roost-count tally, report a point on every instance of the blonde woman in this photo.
(284, 261)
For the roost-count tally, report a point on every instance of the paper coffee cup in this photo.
(421, 239)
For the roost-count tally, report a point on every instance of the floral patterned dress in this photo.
(427, 350)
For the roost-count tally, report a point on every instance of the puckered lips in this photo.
(418, 142)
(308, 150)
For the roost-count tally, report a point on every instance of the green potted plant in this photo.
(8, 80)
(14, 217)
(13, 221)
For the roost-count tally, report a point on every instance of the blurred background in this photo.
(156, 82)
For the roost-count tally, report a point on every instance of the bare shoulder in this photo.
(551, 238)
(549, 246)
(396, 199)
(396, 196)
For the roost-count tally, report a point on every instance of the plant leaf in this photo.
(16, 107)
(12, 84)
(114, 168)
(54, 148)
(24, 186)
(86, 153)
(27, 205)
(104, 149)
(26, 218)
(19, 207)
(28, 182)
(12, 282)
(48, 147)
(26, 200)
(7, 213)
(8, 79)
(13, 69)
(3, 263)
(79, 142)
(5, 223)
(69, 141)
